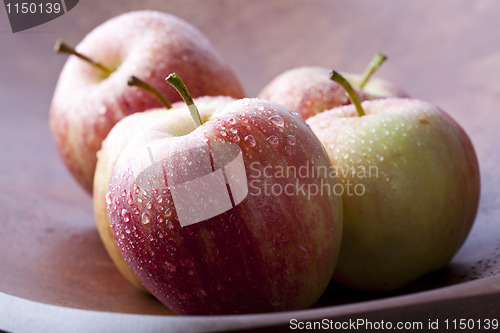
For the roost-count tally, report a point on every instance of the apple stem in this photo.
(134, 81)
(377, 60)
(62, 47)
(335, 76)
(177, 83)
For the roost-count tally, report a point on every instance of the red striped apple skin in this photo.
(117, 139)
(87, 103)
(269, 253)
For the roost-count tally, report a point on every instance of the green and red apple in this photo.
(203, 240)
(309, 90)
(91, 96)
(418, 185)
(113, 144)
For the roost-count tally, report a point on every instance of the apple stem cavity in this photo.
(335, 76)
(177, 83)
(62, 47)
(133, 81)
(377, 60)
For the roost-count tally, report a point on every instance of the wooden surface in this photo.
(445, 52)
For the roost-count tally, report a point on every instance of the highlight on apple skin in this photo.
(88, 100)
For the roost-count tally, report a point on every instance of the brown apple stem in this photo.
(377, 60)
(134, 81)
(335, 76)
(62, 47)
(177, 83)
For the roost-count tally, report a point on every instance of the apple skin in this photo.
(268, 253)
(309, 90)
(419, 207)
(149, 44)
(116, 140)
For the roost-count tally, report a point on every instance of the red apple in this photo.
(414, 187)
(116, 140)
(209, 220)
(309, 90)
(90, 99)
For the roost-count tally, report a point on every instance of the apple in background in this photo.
(116, 140)
(309, 90)
(418, 185)
(91, 96)
(269, 251)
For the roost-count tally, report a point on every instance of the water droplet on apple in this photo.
(160, 219)
(250, 140)
(233, 130)
(168, 213)
(145, 193)
(149, 205)
(170, 267)
(159, 200)
(232, 121)
(291, 140)
(122, 236)
(124, 193)
(236, 139)
(188, 263)
(185, 296)
(223, 133)
(127, 231)
(130, 200)
(102, 109)
(145, 218)
(277, 120)
(260, 108)
(273, 139)
(125, 215)
(108, 198)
